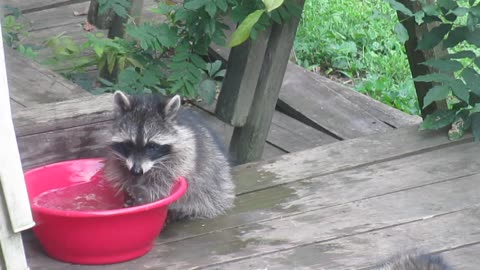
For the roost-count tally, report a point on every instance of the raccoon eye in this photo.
(122, 148)
(155, 150)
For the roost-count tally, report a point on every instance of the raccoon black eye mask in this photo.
(151, 150)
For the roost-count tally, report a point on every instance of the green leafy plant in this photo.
(457, 79)
(15, 32)
(120, 7)
(352, 41)
(169, 56)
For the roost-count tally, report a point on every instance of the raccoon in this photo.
(155, 141)
(415, 261)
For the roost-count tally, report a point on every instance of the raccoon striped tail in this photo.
(415, 261)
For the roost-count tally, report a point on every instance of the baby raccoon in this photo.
(155, 141)
(415, 261)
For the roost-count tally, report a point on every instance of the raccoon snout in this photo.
(137, 170)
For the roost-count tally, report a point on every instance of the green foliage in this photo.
(245, 28)
(14, 32)
(170, 56)
(352, 40)
(120, 7)
(456, 77)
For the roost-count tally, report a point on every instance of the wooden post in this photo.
(238, 88)
(415, 57)
(101, 21)
(117, 28)
(248, 141)
(15, 214)
(115, 25)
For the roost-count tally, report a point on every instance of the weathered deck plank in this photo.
(364, 250)
(463, 257)
(337, 222)
(330, 111)
(330, 190)
(341, 156)
(32, 84)
(27, 6)
(292, 135)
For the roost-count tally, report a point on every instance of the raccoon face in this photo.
(144, 132)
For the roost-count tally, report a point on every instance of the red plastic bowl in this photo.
(92, 236)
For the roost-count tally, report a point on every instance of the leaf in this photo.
(475, 10)
(105, 82)
(455, 36)
(433, 77)
(272, 4)
(195, 4)
(437, 120)
(163, 9)
(207, 90)
(460, 11)
(477, 62)
(110, 61)
(243, 31)
(444, 64)
(472, 22)
(120, 7)
(419, 15)
(435, 36)
(459, 89)
(430, 10)
(220, 74)
(476, 126)
(472, 79)
(198, 61)
(401, 32)
(447, 4)
(222, 5)
(400, 7)
(475, 109)
(438, 92)
(216, 66)
(211, 9)
(461, 54)
(473, 37)
(153, 36)
(293, 8)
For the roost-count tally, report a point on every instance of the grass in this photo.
(354, 41)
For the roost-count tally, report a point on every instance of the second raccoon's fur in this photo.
(154, 142)
(415, 261)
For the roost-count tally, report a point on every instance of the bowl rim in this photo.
(176, 195)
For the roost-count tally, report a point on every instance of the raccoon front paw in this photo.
(128, 201)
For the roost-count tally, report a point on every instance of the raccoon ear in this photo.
(121, 101)
(172, 107)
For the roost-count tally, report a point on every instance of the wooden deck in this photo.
(368, 186)
(346, 205)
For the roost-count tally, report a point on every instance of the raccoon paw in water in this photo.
(135, 196)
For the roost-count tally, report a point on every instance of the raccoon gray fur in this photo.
(154, 142)
(415, 261)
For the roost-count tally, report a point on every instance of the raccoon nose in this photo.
(137, 170)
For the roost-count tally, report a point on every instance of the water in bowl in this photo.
(88, 196)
